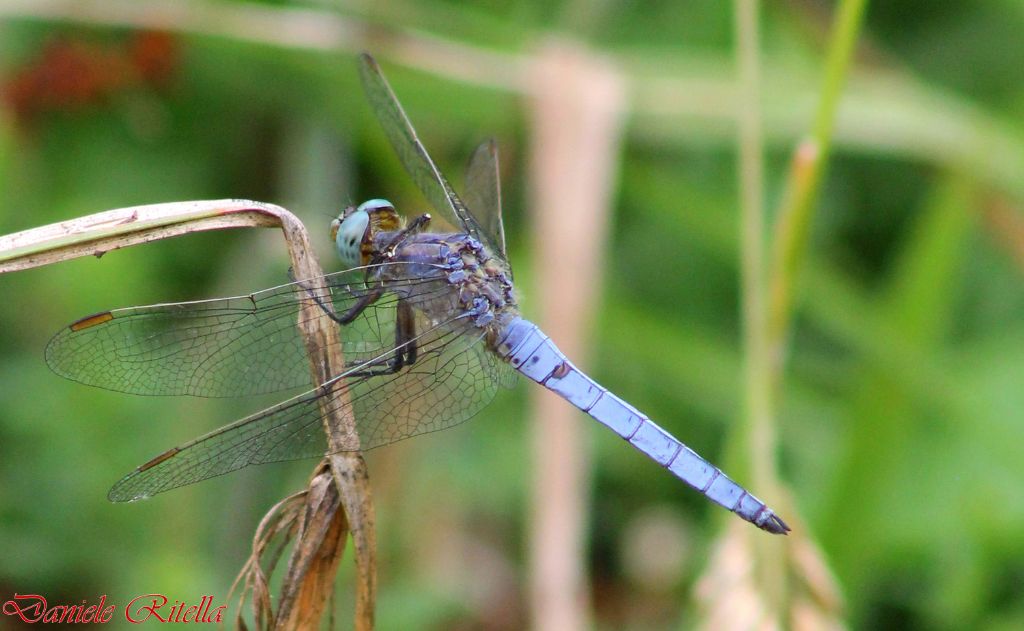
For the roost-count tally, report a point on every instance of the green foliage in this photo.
(901, 418)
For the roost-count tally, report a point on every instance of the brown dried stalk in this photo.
(577, 124)
(331, 510)
(311, 518)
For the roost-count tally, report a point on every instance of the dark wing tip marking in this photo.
(170, 453)
(122, 491)
(368, 59)
(90, 321)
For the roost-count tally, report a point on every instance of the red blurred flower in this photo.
(71, 74)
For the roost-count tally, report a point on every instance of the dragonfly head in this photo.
(353, 230)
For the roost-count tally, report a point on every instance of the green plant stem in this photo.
(806, 172)
(766, 317)
(752, 228)
(760, 436)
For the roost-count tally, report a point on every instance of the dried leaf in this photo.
(736, 593)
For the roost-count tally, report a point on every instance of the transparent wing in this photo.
(236, 346)
(483, 193)
(453, 377)
(505, 375)
(413, 155)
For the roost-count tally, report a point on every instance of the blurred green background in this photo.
(901, 424)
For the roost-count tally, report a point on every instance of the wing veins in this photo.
(167, 474)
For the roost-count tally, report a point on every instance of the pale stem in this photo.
(576, 110)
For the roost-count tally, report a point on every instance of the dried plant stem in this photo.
(309, 582)
(287, 27)
(278, 522)
(576, 106)
(103, 232)
(895, 114)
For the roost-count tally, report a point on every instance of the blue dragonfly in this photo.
(429, 330)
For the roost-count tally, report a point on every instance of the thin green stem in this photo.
(752, 227)
(759, 432)
(766, 317)
(806, 172)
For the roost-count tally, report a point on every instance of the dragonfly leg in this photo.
(405, 344)
(405, 329)
(364, 301)
(388, 251)
(353, 312)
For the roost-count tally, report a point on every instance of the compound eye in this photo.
(371, 205)
(349, 237)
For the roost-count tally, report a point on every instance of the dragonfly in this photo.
(429, 331)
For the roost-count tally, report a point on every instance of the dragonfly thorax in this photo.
(472, 285)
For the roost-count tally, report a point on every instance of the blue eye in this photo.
(374, 204)
(350, 237)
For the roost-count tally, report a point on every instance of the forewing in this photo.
(231, 346)
(236, 346)
(453, 378)
(410, 150)
(482, 193)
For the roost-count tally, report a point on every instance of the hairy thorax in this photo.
(468, 281)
